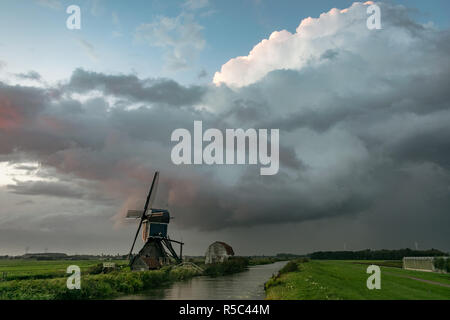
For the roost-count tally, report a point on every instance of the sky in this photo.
(86, 118)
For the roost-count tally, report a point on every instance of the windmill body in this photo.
(157, 250)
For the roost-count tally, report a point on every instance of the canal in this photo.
(240, 286)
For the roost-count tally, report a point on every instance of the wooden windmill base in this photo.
(152, 255)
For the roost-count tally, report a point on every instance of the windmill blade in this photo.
(149, 196)
(134, 214)
(153, 189)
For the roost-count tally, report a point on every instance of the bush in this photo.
(440, 263)
(183, 273)
(272, 282)
(291, 266)
(253, 261)
(230, 266)
(97, 286)
(97, 269)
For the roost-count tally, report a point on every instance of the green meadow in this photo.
(346, 280)
(93, 286)
(46, 280)
(22, 269)
(299, 279)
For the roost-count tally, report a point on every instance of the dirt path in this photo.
(418, 279)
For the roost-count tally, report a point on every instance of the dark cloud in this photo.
(25, 167)
(329, 54)
(202, 74)
(363, 147)
(25, 202)
(30, 75)
(45, 188)
(130, 87)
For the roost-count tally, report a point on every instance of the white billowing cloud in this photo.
(317, 40)
(181, 36)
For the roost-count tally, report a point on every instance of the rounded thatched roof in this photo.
(227, 247)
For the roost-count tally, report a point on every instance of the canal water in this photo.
(240, 286)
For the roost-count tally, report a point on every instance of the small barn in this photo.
(218, 252)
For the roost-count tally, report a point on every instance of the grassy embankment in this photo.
(31, 279)
(94, 286)
(328, 279)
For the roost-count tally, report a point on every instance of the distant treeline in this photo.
(288, 256)
(63, 256)
(375, 254)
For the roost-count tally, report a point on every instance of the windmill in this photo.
(157, 250)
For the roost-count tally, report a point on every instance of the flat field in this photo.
(20, 269)
(46, 280)
(346, 280)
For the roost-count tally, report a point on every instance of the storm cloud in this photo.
(364, 133)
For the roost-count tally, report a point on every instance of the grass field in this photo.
(93, 286)
(316, 279)
(21, 269)
(325, 279)
(39, 279)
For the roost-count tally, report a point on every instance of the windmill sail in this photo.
(134, 214)
(145, 228)
(154, 189)
(148, 202)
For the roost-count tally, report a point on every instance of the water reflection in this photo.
(242, 286)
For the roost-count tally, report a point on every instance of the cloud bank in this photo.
(364, 135)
